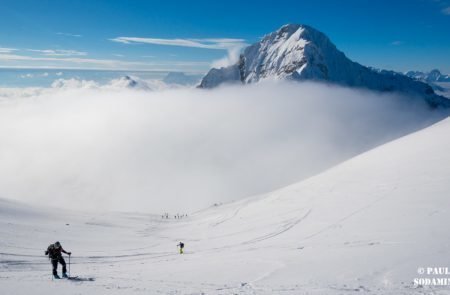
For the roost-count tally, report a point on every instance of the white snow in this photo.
(363, 226)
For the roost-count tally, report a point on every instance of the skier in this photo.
(181, 245)
(54, 252)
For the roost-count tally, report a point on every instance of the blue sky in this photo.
(192, 35)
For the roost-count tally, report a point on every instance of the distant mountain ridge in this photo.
(432, 76)
(300, 52)
(181, 78)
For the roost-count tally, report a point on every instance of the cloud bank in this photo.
(182, 150)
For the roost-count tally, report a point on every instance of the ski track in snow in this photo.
(284, 227)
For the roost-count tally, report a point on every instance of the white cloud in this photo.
(231, 58)
(7, 50)
(69, 34)
(180, 150)
(62, 59)
(231, 45)
(58, 52)
(90, 63)
(446, 11)
(397, 43)
(212, 43)
(27, 76)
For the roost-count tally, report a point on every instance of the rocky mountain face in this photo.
(300, 52)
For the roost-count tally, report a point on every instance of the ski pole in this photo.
(69, 265)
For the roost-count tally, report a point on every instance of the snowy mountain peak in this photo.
(296, 32)
(300, 52)
(294, 51)
(130, 83)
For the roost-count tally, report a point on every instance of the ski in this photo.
(80, 279)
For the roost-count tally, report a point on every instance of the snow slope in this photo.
(364, 226)
(300, 52)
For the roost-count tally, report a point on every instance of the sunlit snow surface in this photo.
(365, 225)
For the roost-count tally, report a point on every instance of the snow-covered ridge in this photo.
(300, 52)
(432, 76)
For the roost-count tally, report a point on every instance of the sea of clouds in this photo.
(86, 146)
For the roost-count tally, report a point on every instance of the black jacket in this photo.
(55, 253)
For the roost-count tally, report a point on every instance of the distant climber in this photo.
(181, 245)
(54, 252)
